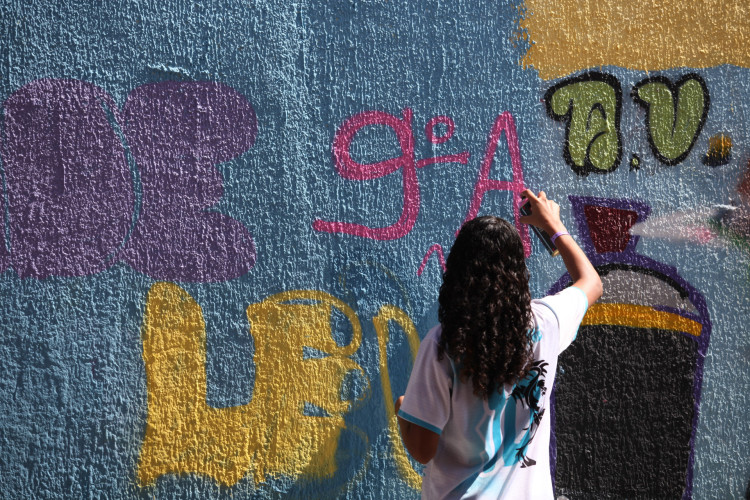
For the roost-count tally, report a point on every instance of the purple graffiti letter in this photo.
(177, 133)
(70, 196)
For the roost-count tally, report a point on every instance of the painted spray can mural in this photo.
(639, 360)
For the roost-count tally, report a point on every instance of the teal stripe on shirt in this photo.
(419, 422)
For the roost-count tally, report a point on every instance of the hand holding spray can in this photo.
(541, 234)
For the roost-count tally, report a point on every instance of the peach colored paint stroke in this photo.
(441, 258)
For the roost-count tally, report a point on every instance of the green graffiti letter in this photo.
(590, 104)
(675, 114)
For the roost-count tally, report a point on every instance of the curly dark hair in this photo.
(485, 306)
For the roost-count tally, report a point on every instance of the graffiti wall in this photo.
(224, 226)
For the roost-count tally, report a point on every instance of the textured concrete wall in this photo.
(223, 230)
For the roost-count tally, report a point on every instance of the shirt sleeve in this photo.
(569, 307)
(427, 401)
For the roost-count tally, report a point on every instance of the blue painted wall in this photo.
(73, 385)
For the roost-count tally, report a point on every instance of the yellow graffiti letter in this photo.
(269, 436)
(392, 313)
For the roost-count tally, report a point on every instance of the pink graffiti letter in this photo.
(350, 169)
(441, 258)
(503, 123)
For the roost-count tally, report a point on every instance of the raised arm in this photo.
(545, 214)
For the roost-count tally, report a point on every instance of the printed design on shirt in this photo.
(530, 392)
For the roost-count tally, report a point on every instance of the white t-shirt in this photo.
(495, 448)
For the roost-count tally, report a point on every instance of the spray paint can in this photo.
(542, 235)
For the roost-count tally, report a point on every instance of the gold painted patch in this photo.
(639, 317)
(647, 35)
